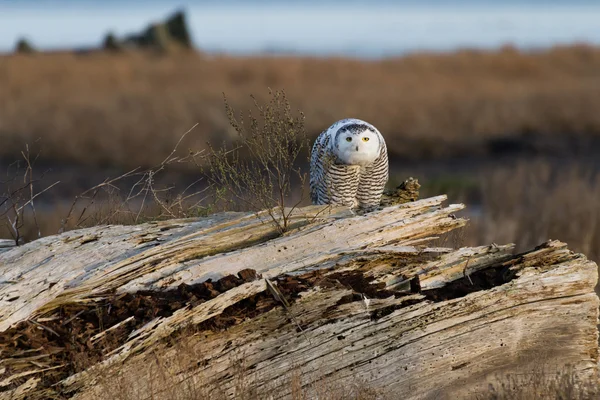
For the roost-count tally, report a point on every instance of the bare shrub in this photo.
(130, 198)
(20, 195)
(143, 201)
(259, 171)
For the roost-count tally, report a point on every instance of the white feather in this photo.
(349, 165)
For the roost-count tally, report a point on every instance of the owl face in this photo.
(357, 145)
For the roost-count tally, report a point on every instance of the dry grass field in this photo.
(128, 110)
(97, 115)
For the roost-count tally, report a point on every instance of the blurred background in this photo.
(495, 103)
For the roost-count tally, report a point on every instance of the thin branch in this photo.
(30, 201)
(177, 145)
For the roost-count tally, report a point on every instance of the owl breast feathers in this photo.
(349, 165)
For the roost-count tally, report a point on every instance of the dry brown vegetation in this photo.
(129, 110)
(136, 196)
(534, 200)
(526, 203)
(126, 110)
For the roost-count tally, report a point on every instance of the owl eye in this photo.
(348, 139)
(365, 139)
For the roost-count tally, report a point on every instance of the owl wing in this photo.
(317, 167)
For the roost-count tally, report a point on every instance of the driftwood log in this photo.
(341, 296)
(6, 244)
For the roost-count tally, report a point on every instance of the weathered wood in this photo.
(6, 244)
(375, 303)
(545, 316)
(43, 274)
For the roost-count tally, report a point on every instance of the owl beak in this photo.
(356, 148)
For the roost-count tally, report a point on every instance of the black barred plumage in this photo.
(349, 165)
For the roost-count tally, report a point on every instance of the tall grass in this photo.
(533, 201)
(124, 110)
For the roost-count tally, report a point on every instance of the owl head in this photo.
(356, 142)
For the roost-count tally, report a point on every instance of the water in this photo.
(319, 28)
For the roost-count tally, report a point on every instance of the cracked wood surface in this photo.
(435, 320)
(419, 349)
(41, 275)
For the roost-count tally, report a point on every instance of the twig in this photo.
(73, 317)
(465, 271)
(43, 327)
(286, 306)
(116, 326)
(30, 201)
(29, 174)
(95, 189)
(178, 143)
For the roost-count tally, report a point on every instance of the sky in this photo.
(369, 29)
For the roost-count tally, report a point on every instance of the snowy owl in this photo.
(349, 165)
